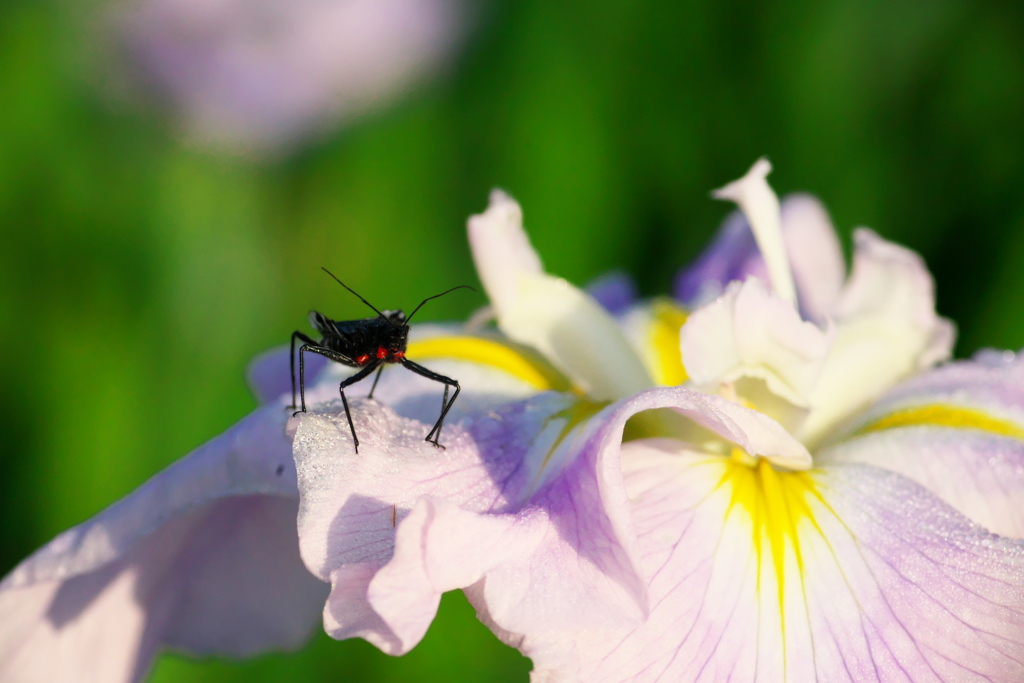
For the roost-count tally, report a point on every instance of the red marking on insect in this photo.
(363, 359)
(382, 353)
(398, 355)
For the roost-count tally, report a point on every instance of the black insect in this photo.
(367, 344)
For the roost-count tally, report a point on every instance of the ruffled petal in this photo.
(846, 574)
(202, 557)
(527, 499)
(992, 382)
(958, 431)
(749, 332)
(353, 507)
(886, 329)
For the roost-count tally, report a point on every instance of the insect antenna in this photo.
(434, 297)
(358, 295)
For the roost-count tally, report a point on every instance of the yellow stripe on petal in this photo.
(666, 321)
(513, 359)
(952, 417)
(776, 503)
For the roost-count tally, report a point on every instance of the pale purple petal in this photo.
(733, 255)
(616, 291)
(814, 254)
(877, 581)
(958, 431)
(522, 499)
(407, 590)
(940, 595)
(811, 245)
(978, 473)
(105, 642)
(243, 588)
(202, 557)
(269, 374)
(352, 504)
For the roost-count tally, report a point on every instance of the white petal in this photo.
(564, 323)
(761, 207)
(502, 250)
(812, 246)
(886, 329)
(575, 333)
(748, 332)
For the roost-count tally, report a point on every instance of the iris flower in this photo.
(787, 488)
(776, 476)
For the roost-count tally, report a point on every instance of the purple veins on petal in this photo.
(845, 574)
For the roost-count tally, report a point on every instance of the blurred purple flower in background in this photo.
(260, 75)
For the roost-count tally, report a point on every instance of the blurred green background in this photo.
(139, 275)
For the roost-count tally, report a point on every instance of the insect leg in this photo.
(448, 382)
(319, 350)
(348, 381)
(291, 358)
(375, 380)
